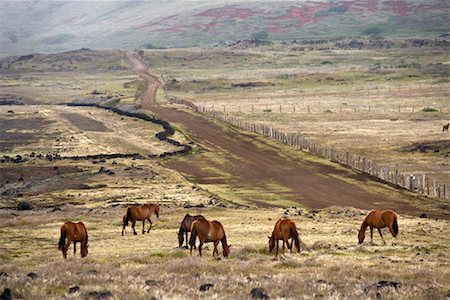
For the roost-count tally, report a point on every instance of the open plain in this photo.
(88, 164)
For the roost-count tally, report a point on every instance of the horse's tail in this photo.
(193, 234)
(127, 217)
(295, 236)
(395, 226)
(62, 239)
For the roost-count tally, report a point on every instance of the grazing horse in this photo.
(379, 219)
(284, 230)
(209, 232)
(445, 127)
(185, 228)
(140, 213)
(74, 232)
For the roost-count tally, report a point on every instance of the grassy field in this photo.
(330, 264)
(97, 191)
(385, 104)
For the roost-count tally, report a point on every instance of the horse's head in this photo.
(180, 239)
(226, 250)
(271, 243)
(157, 210)
(84, 251)
(361, 236)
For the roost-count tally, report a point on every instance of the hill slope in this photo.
(44, 26)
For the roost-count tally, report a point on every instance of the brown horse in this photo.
(185, 228)
(284, 230)
(445, 127)
(379, 219)
(140, 213)
(74, 232)
(209, 232)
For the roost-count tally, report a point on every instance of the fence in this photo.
(415, 183)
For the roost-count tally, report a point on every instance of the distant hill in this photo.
(50, 26)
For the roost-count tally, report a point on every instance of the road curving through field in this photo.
(258, 169)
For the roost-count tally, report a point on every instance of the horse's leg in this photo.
(215, 251)
(284, 246)
(66, 247)
(277, 249)
(123, 228)
(74, 248)
(391, 230)
(371, 235)
(200, 247)
(133, 223)
(186, 233)
(150, 221)
(290, 246)
(379, 230)
(143, 226)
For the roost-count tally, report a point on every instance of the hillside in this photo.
(44, 26)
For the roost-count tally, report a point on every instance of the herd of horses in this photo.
(285, 230)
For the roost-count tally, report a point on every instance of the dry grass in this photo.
(330, 264)
(347, 99)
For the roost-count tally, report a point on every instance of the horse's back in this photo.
(380, 218)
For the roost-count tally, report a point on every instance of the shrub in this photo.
(429, 109)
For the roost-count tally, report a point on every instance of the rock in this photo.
(74, 289)
(92, 271)
(259, 293)
(6, 295)
(105, 294)
(24, 206)
(55, 209)
(152, 282)
(386, 283)
(206, 287)
(423, 215)
(3, 274)
(33, 276)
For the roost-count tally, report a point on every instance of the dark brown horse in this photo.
(208, 232)
(140, 213)
(284, 230)
(445, 127)
(379, 219)
(73, 232)
(185, 228)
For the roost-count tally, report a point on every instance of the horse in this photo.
(185, 228)
(445, 127)
(74, 232)
(284, 230)
(379, 219)
(140, 213)
(207, 232)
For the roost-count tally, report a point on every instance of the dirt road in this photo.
(243, 162)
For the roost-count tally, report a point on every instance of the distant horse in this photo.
(140, 213)
(445, 127)
(185, 228)
(209, 232)
(284, 230)
(74, 232)
(379, 219)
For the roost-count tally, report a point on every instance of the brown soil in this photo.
(84, 123)
(254, 163)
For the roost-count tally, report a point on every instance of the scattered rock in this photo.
(105, 294)
(33, 276)
(74, 289)
(206, 287)
(386, 283)
(55, 209)
(259, 293)
(152, 282)
(423, 215)
(104, 170)
(6, 295)
(24, 206)
(92, 271)
(3, 274)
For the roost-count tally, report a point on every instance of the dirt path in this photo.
(244, 163)
(149, 94)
